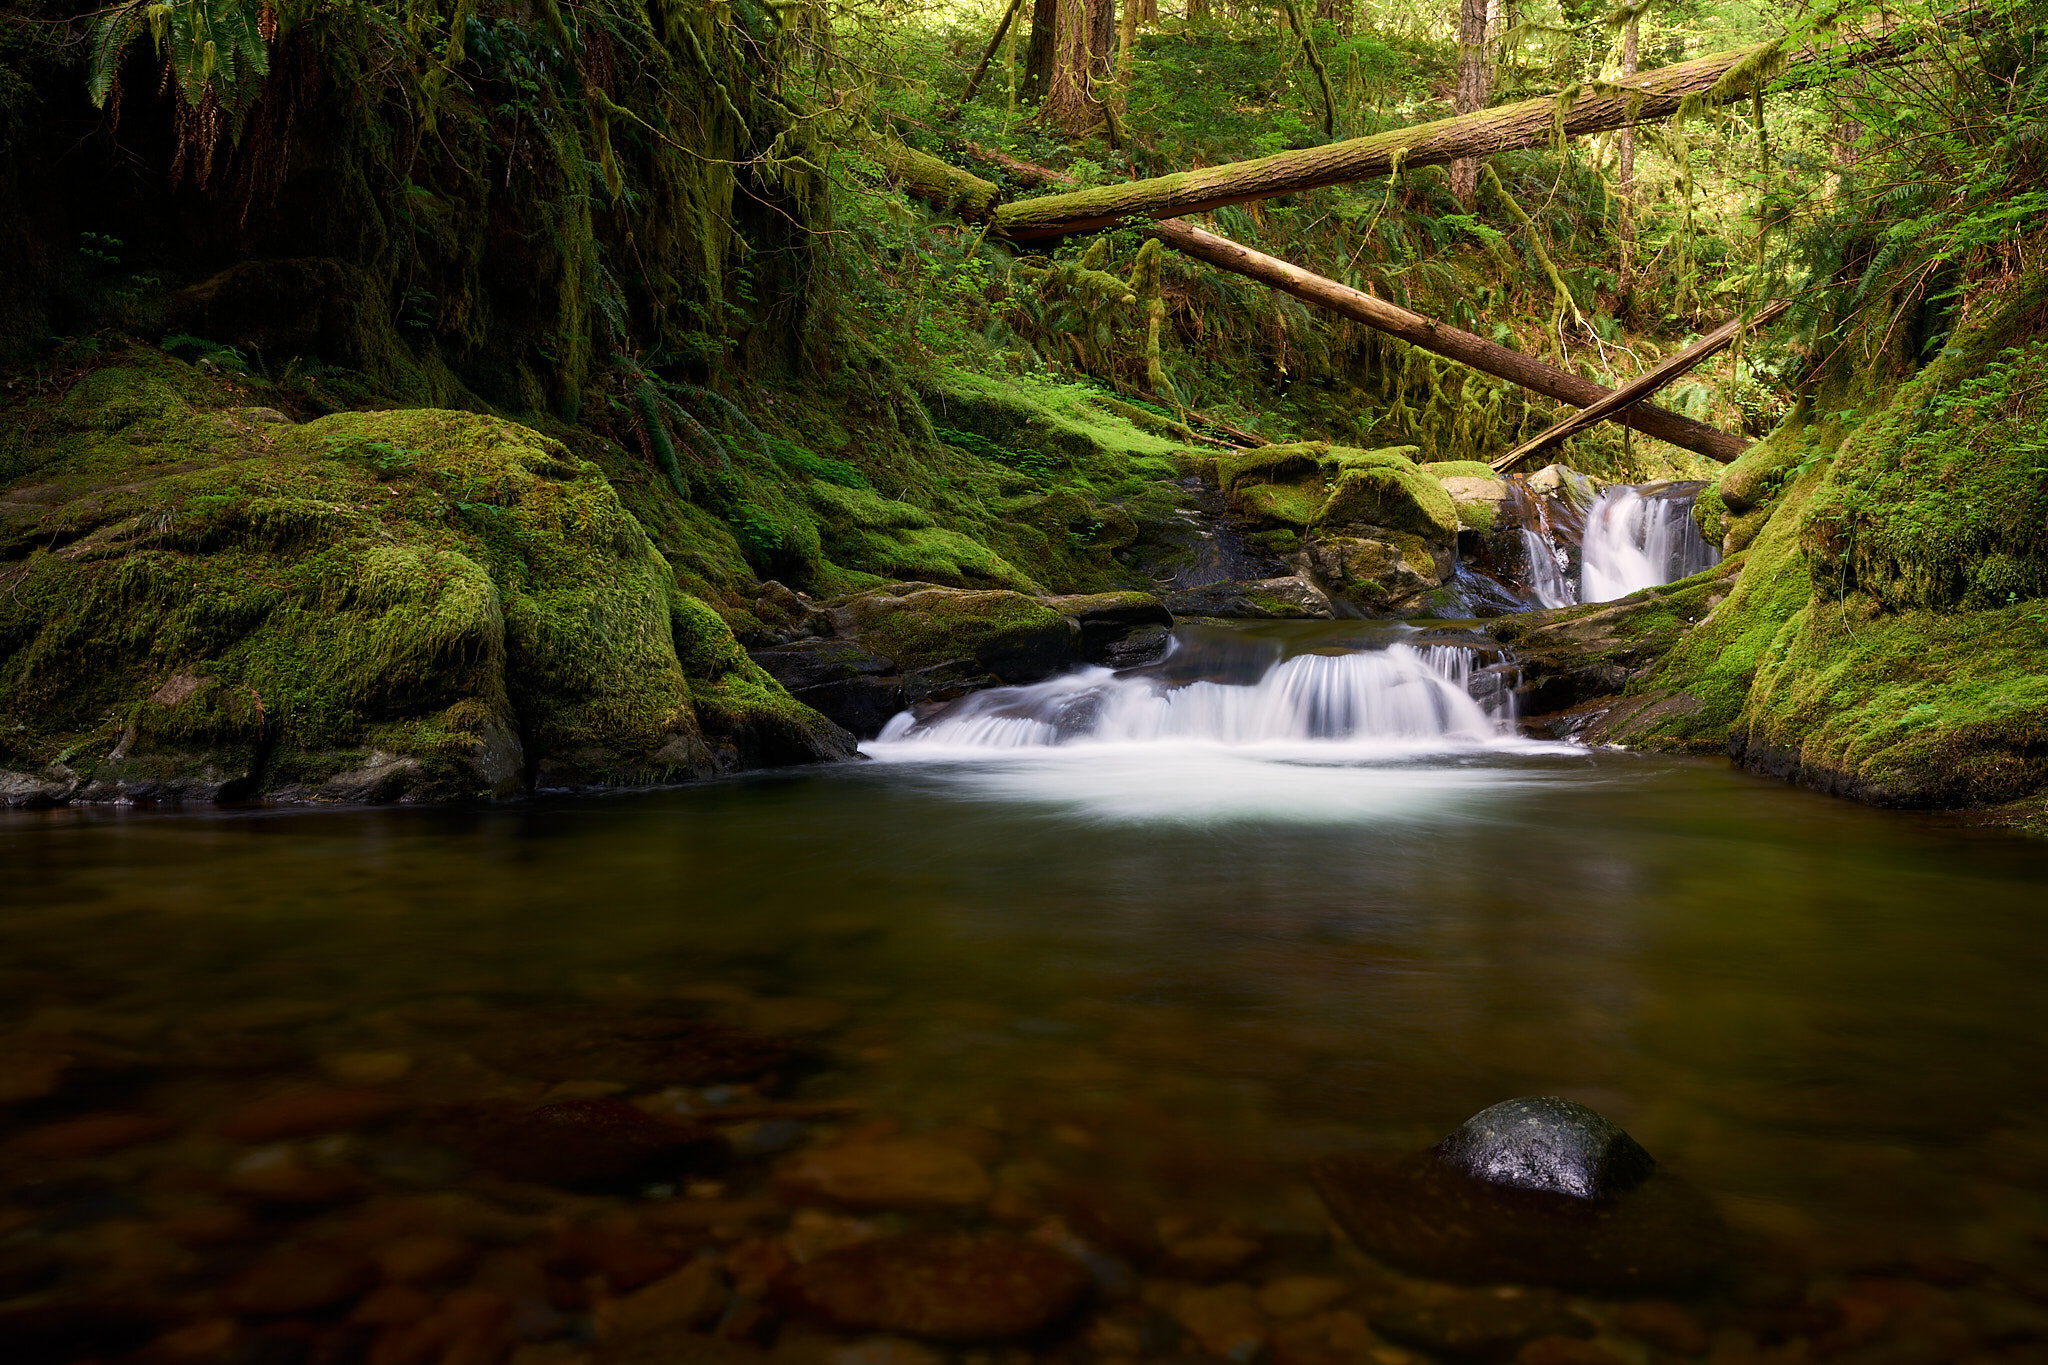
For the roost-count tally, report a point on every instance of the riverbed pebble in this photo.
(90, 1135)
(885, 1173)
(689, 1298)
(949, 1287)
(306, 1111)
(579, 1143)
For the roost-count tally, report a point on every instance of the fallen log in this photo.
(1427, 333)
(1612, 406)
(1450, 342)
(1599, 108)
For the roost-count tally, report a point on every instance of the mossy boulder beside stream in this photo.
(205, 602)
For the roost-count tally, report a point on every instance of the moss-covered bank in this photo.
(1885, 631)
(205, 600)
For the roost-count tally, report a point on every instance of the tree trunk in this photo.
(1475, 84)
(1038, 56)
(994, 44)
(1080, 52)
(1126, 51)
(1625, 178)
(1654, 95)
(1446, 341)
(1417, 330)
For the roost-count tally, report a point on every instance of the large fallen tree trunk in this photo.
(1427, 333)
(1612, 406)
(1595, 109)
(1451, 342)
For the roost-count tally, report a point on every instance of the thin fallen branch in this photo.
(1616, 403)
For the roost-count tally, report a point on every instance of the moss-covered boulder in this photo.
(1382, 575)
(1394, 494)
(1012, 637)
(1285, 463)
(206, 602)
(1481, 501)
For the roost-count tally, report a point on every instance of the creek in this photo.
(1297, 889)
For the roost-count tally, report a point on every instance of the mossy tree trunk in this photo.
(1475, 85)
(1528, 123)
(1440, 339)
(1077, 79)
(1625, 173)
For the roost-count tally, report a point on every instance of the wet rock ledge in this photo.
(861, 658)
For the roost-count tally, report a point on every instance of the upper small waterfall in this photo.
(1639, 537)
(1398, 693)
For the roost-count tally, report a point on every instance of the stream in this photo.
(1142, 942)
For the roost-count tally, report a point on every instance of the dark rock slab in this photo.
(957, 1287)
(1539, 1191)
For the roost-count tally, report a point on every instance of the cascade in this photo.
(1401, 693)
(1640, 537)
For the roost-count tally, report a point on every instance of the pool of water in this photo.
(1180, 971)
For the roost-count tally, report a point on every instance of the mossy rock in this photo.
(450, 603)
(1271, 464)
(1397, 496)
(1279, 504)
(1014, 637)
(1459, 469)
(1755, 478)
(1479, 500)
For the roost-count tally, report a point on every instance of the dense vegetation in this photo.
(668, 238)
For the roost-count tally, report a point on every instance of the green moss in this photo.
(1397, 496)
(1289, 505)
(918, 629)
(1270, 464)
(1459, 469)
(421, 583)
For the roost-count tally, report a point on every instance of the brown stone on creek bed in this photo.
(952, 1287)
(298, 1280)
(1477, 1324)
(89, 1135)
(639, 1051)
(579, 1144)
(305, 1112)
(885, 1173)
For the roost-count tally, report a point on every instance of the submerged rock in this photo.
(1549, 1144)
(1283, 599)
(954, 1287)
(580, 1144)
(1537, 1190)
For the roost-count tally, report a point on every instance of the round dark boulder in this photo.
(1536, 1191)
(1544, 1143)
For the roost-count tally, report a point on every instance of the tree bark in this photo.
(1038, 56)
(1475, 84)
(981, 67)
(1080, 54)
(1450, 342)
(1654, 95)
(1625, 176)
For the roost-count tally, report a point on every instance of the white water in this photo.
(1546, 569)
(1633, 542)
(1399, 694)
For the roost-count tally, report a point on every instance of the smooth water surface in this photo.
(1185, 968)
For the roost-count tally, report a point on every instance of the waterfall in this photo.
(1547, 582)
(1398, 693)
(1639, 538)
